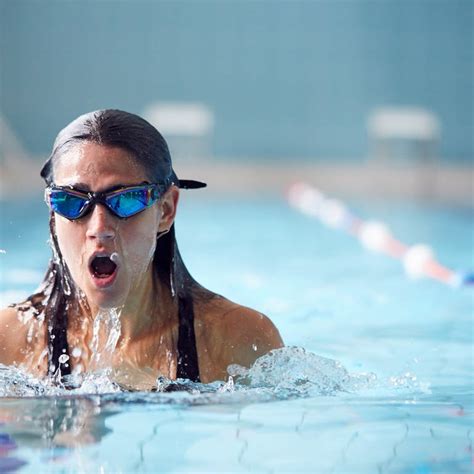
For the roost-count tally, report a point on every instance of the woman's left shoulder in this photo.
(233, 333)
(228, 317)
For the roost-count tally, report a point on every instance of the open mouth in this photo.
(102, 267)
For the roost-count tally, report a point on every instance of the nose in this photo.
(101, 224)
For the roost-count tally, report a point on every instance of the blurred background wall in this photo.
(282, 80)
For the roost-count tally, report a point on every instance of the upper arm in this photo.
(22, 339)
(9, 326)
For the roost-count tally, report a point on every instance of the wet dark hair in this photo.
(58, 294)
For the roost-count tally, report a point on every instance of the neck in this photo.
(148, 307)
(148, 311)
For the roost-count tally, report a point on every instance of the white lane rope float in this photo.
(418, 260)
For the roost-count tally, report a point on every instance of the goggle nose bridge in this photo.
(93, 200)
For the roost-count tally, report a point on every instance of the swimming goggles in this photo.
(123, 202)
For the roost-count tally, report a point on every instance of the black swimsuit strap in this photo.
(188, 367)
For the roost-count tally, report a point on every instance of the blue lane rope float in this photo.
(418, 260)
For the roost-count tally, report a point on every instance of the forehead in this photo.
(97, 166)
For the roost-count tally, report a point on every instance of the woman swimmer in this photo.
(113, 197)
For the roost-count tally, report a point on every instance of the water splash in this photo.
(16, 383)
(289, 372)
(294, 371)
(106, 324)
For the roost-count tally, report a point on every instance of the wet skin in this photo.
(226, 333)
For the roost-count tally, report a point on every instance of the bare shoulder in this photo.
(9, 322)
(9, 327)
(228, 333)
(22, 335)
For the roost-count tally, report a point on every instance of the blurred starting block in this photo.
(188, 127)
(403, 133)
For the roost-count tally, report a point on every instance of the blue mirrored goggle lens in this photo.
(123, 204)
(128, 203)
(68, 205)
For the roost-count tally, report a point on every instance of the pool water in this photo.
(384, 383)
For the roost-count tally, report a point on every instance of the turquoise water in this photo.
(384, 384)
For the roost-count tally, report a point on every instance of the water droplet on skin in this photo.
(76, 352)
(29, 335)
(43, 355)
(63, 358)
(254, 347)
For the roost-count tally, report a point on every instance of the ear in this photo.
(168, 206)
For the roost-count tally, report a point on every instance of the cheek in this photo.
(69, 237)
(139, 248)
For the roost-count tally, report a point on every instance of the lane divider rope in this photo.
(418, 260)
